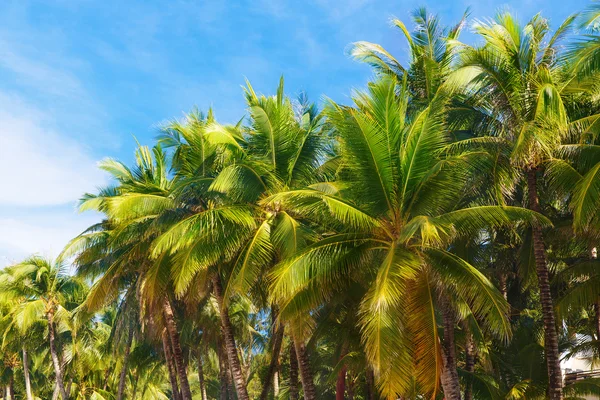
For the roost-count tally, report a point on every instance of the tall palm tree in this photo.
(118, 249)
(431, 55)
(281, 149)
(392, 220)
(519, 79)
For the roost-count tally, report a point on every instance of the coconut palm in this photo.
(519, 79)
(118, 249)
(390, 245)
(431, 55)
(280, 150)
(45, 293)
(393, 219)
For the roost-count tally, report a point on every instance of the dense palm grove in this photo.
(435, 239)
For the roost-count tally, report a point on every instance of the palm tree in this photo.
(281, 149)
(392, 220)
(44, 289)
(431, 55)
(118, 249)
(519, 79)
(14, 340)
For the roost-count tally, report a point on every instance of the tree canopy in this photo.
(435, 238)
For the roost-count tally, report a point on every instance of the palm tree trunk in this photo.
(106, 376)
(68, 387)
(230, 386)
(276, 388)
(55, 362)
(123, 373)
(278, 329)
(11, 388)
(223, 367)
(170, 366)
(26, 374)
(470, 354)
(550, 333)
(597, 303)
(230, 346)
(597, 319)
(340, 385)
(201, 375)
(306, 376)
(293, 372)
(186, 393)
(449, 378)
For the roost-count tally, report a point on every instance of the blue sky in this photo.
(80, 78)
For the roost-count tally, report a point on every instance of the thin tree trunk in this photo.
(370, 383)
(223, 367)
(550, 334)
(277, 336)
(597, 319)
(106, 376)
(201, 375)
(449, 378)
(26, 374)
(123, 373)
(170, 366)
(293, 372)
(55, 362)
(340, 385)
(186, 393)
(470, 354)
(306, 377)
(11, 388)
(594, 255)
(69, 386)
(230, 346)
(276, 388)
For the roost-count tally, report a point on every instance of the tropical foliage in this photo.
(436, 238)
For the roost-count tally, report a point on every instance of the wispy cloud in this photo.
(43, 233)
(39, 166)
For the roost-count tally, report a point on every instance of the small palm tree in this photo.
(44, 292)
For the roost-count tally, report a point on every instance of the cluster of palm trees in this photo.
(435, 239)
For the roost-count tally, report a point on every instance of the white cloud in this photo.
(39, 166)
(43, 233)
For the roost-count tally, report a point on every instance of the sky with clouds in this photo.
(81, 80)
